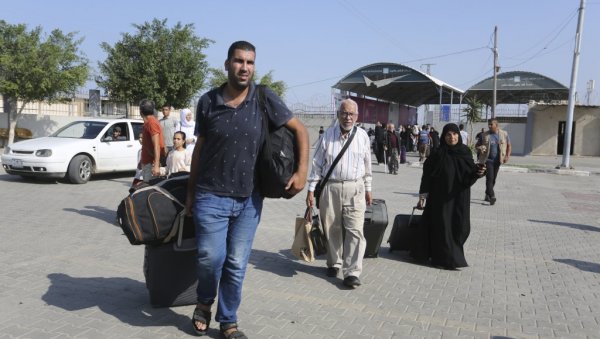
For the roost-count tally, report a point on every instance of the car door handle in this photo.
(129, 146)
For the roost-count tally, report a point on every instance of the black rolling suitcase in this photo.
(170, 270)
(376, 221)
(404, 231)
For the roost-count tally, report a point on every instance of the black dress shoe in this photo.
(492, 200)
(487, 198)
(332, 272)
(351, 281)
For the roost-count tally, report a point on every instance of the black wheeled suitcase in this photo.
(404, 231)
(170, 270)
(376, 221)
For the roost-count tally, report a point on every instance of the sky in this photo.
(312, 44)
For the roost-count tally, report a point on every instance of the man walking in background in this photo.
(379, 142)
(153, 147)
(495, 149)
(424, 143)
(392, 148)
(169, 126)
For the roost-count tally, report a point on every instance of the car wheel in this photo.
(80, 169)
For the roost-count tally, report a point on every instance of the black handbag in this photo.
(317, 235)
(321, 183)
(278, 159)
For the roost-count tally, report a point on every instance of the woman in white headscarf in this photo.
(188, 125)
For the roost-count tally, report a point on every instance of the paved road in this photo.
(67, 271)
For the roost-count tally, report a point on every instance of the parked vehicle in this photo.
(77, 150)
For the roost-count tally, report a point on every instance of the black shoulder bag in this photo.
(278, 159)
(322, 182)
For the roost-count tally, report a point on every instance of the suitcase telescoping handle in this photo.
(183, 245)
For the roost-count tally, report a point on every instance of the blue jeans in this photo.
(225, 229)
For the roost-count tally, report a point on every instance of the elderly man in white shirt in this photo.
(346, 194)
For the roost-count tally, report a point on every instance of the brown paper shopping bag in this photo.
(302, 247)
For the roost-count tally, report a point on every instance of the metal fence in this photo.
(59, 109)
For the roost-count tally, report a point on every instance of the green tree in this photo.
(472, 112)
(219, 77)
(160, 63)
(278, 87)
(37, 67)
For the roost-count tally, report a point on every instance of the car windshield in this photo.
(80, 130)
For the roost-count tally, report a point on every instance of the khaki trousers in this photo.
(342, 207)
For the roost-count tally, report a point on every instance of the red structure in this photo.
(372, 111)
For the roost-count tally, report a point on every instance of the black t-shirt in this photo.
(232, 140)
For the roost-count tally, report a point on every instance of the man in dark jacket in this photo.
(392, 148)
(379, 142)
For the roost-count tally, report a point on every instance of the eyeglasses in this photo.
(348, 114)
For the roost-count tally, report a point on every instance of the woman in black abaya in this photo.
(445, 193)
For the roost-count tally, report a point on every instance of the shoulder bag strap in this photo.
(262, 106)
(339, 156)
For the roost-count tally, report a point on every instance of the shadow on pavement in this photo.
(568, 224)
(412, 194)
(98, 212)
(401, 256)
(283, 263)
(27, 180)
(125, 177)
(582, 265)
(114, 176)
(125, 299)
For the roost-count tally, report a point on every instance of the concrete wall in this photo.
(516, 132)
(313, 122)
(543, 123)
(39, 125)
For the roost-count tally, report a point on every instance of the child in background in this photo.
(187, 126)
(178, 160)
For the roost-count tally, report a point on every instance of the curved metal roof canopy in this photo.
(518, 88)
(400, 84)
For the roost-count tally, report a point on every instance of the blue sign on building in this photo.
(445, 113)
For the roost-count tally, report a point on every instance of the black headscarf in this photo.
(455, 162)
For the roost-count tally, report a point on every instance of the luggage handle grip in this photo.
(411, 215)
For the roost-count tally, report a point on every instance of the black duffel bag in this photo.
(151, 213)
(278, 159)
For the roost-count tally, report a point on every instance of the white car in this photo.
(77, 150)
